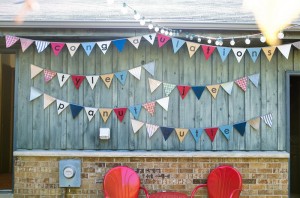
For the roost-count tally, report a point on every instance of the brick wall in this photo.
(262, 177)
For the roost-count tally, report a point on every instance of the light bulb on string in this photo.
(142, 21)
(150, 26)
(136, 16)
(166, 32)
(263, 39)
(280, 35)
(220, 41)
(217, 42)
(247, 41)
(162, 31)
(199, 39)
(232, 42)
(209, 41)
(191, 37)
(124, 9)
(187, 36)
(171, 33)
(156, 29)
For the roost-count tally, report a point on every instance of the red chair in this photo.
(122, 182)
(222, 182)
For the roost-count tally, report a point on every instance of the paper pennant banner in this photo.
(162, 39)
(62, 78)
(10, 40)
(151, 129)
(121, 76)
(168, 88)
(135, 110)
(104, 45)
(135, 41)
(57, 47)
(198, 90)
(92, 80)
(25, 43)
(105, 113)
(240, 127)
(120, 112)
(255, 123)
(164, 103)
(226, 130)
(181, 133)
(269, 52)
(242, 83)
(254, 79)
(35, 70)
(208, 50)
(196, 132)
(107, 79)
(213, 90)
(254, 53)
(211, 132)
(166, 131)
(267, 119)
(41, 45)
(150, 107)
(223, 51)
(34, 93)
(61, 106)
(120, 44)
(48, 100)
(153, 84)
(297, 44)
(183, 90)
(227, 87)
(285, 50)
(192, 47)
(88, 47)
(136, 125)
(72, 47)
(48, 75)
(136, 72)
(150, 38)
(150, 67)
(77, 80)
(75, 110)
(239, 53)
(177, 44)
(90, 112)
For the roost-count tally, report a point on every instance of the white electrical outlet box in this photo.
(104, 133)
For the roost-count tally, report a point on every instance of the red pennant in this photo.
(162, 39)
(120, 112)
(77, 80)
(183, 90)
(211, 132)
(208, 50)
(57, 47)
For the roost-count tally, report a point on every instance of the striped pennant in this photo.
(10, 40)
(41, 45)
(267, 119)
(151, 129)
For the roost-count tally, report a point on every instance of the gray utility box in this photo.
(69, 173)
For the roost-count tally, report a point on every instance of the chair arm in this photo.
(196, 188)
(145, 191)
(235, 192)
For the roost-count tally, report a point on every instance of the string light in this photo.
(199, 39)
(162, 31)
(209, 41)
(232, 42)
(124, 9)
(142, 21)
(247, 41)
(150, 26)
(280, 35)
(156, 29)
(263, 39)
(136, 16)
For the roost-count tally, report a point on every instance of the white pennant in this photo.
(164, 103)
(136, 72)
(239, 53)
(61, 105)
(151, 129)
(227, 87)
(135, 41)
(150, 38)
(48, 100)
(92, 80)
(136, 125)
(104, 45)
(285, 50)
(62, 78)
(153, 84)
(72, 47)
(34, 93)
(90, 112)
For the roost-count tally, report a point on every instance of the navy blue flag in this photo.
(240, 127)
(75, 109)
(166, 131)
(198, 90)
(120, 44)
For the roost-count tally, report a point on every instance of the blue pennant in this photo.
(198, 90)
(120, 44)
(223, 51)
(177, 44)
(121, 76)
(226, 130)
(254, 53)
(88, 47)
(135, 110)
(240, 127)
(75, 109)
(166, 131)
(196, 132)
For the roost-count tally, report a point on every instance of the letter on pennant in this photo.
(72, 47)
(77, 80)
(269, 52)
(57, 47)
(177, 44)
(239, 53)
(120, 112)
(104, 45)
(90, 112)
(162, 40)
(92, 80)
(61, 106)
(105, 113)
(150, 38)
(135, 41)
(192, 47)
(62, 78)
(196, 132)
(213, 90)
(183, 90)
(181, 133)
(211, 132)
(107, 79)
(208, 50)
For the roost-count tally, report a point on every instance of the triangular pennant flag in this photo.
(164, 103)
(166, 131)
(198, 90)
(254, 79)
(269, 52)
(240, 127)
(151, 129)
(183, 90)
(150, 38)
(34, 93)
(105, 113)
(35, 70)
(57, 47)
(150, 67)
(136, 125)
(72, 47)
(267, 119)
(10, 40)
(136, 72)
(77, 80)
(75, 110)
(213, 90)
(120, 44)
(90, 112)
(150, 107)
(121, 76)
(211, 132)
(25, 43)
(61, 106)
(153, 84)
(135, 110)
(168, 88)
(135, 41)
(48, 100)
(285, 50)
(41, 45)
(48, 75)
(104, 45)
(297, 44)
(162, 39)
(62, 78)
(239, 53)
(177, 44)
(226, 130)
(107, 79)
(120, 112)
(196, 132)
(208, 50)
(227, 87)
(254, 53)
(255, 123)
(92, 80)
(181, 133)
(192, 47)
(242, 83)
(223, 51)
(88, 47)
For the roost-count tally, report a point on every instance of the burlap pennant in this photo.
(213, 90)
(154, 84)
(269, 52)
(48, 100)
(192, 47)
(181, 133)
(255, 123)
(35, 70)
(105, 113)
(136, 125)
(25, 43)
(107, 79)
